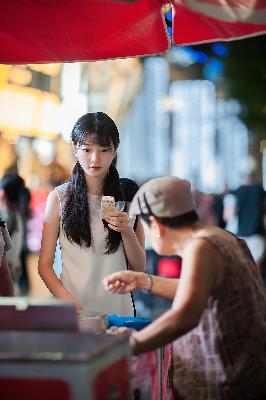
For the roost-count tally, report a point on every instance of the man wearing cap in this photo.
(217, 322)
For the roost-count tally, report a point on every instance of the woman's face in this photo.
(94, 159)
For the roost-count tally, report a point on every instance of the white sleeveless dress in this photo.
(83, 268)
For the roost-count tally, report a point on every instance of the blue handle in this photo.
(137, 323)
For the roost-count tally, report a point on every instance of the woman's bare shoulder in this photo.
(52, 204)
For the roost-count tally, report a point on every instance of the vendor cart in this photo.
(44, 356)
(63, 366)
(45, 353)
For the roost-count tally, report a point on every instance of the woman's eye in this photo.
(85, 149)
(104, 150)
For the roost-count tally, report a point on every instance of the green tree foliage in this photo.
(245, 80)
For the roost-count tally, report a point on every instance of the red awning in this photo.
(41, 31)
(197, 21)
(79, 30)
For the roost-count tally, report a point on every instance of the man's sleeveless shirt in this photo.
(224, 357)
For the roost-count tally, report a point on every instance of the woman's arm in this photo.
(49, 239)
(6, 283)
(202, 271)
(133, 241)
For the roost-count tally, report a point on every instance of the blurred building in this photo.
(183, 127)
(29, 105)
(171, 114)
(145, 144)
(39, 105)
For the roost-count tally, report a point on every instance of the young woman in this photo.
(91, 248)
(218, 317)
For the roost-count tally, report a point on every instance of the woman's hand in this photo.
(118, 221)
(122, 282)
(68, 296)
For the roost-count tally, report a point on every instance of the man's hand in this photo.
(122, 282)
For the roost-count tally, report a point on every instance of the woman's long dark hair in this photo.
(76, 215)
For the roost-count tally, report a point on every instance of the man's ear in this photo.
(156, 227)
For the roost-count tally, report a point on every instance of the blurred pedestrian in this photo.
(230, 213)
(14, 201)
(6, 284)
(91, 248)
(217, 322)
(250, 206)
(218, 207)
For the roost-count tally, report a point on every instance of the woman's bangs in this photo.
(99, 139)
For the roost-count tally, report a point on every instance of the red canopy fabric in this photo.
(35, 31)
(197, 21)
(80, 30)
